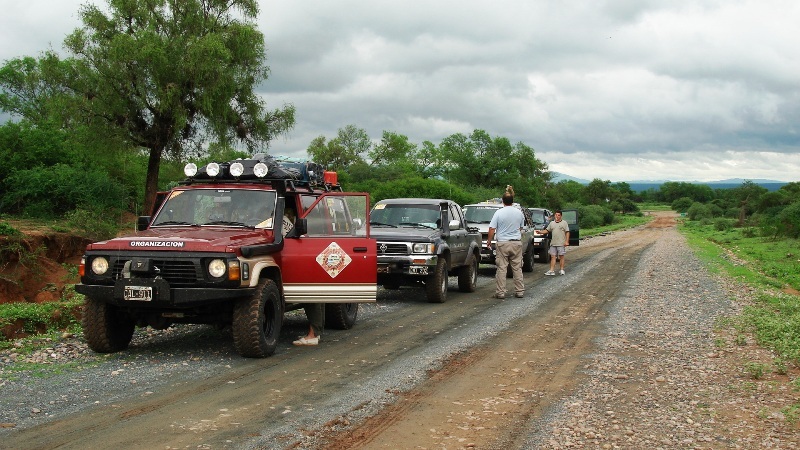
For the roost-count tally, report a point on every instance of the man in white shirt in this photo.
(506, 225)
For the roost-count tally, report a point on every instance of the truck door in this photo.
(459, 242)
(571, 217)
(336, 260)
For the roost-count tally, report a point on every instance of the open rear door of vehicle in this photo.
(571, 217)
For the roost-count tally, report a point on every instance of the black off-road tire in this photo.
(545, 256)
(468, 275)
(341, 316)
(436, 283)
(528, 259)
(257, 321)
(105, 327)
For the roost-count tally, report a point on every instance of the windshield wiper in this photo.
(173, 222)
(380, 224)
(415, 224)
(227, 222)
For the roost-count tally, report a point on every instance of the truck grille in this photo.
(393, 248)
(177, 273)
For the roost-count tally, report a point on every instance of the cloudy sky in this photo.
(618, 90)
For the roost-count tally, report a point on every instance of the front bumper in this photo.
(162, 295)
(412, 265)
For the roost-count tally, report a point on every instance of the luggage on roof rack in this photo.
(299, 171)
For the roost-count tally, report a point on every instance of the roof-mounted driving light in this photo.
(190, 170)
(237, 169)
(212, 169)
(260, 170)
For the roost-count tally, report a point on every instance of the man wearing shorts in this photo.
(559, 240)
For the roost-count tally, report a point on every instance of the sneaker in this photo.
(500, 296)
(549, 272)
(307, 341)
(562, 272)
(519, 294)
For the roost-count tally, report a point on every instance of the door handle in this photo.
(360, 249)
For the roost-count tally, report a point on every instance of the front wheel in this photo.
(436, 283)
(105, 327)
(468, 275)
(341, 316)
(527, 259)
(257, 321)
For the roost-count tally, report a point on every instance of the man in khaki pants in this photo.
(507, 224)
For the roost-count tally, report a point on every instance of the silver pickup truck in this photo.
(480, 214)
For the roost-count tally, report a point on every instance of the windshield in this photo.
(539, 216)
(405, 215)
(479, 214)
(236, 207)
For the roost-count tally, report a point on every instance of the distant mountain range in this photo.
(643, 185)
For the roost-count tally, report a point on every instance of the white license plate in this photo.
(138, 293)
(418, 270)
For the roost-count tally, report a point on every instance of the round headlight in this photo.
(190, 169)
(260, 170)
(216, 268)
(99, 265)
(237, 169)
(212, 169)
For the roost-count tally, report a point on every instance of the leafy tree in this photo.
(393, 148)
(160, 75)
(673, 190)
(343, 151)
(598, 192)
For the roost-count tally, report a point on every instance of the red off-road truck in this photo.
(236, 244)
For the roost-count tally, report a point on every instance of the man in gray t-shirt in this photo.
(559, 241)
(506, 225)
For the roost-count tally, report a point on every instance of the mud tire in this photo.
(341, 316)
(528, 259)
(436, 283)
(257, 321)
(468, 275)
(105, 327)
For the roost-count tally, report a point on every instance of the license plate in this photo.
(138, 293)
(418, 270)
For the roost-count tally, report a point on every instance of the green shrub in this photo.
(51, 192)
(682, 204)
(722, 224)
(96, 226)
(699, 211)
(788, 221)
(7, 230)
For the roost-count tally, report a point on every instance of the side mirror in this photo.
(300, 228)
(455, 224)
(142, 223)
(357, 223)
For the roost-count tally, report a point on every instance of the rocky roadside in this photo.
(670, 373)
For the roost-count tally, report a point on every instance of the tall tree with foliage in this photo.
(166, 75)
(346, 149)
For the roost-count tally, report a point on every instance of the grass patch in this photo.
(39, 318)
(771, 267)
(621, 222)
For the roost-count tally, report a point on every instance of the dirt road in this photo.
(475, 372)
